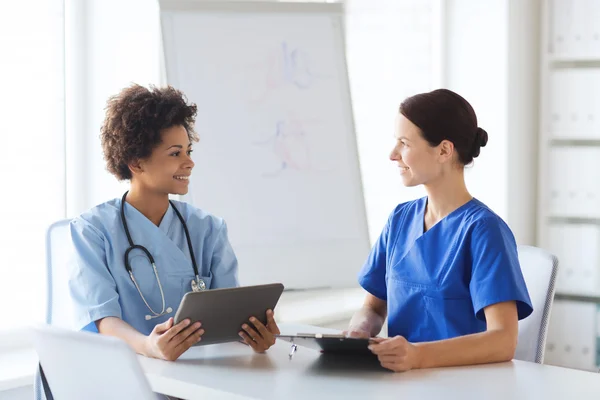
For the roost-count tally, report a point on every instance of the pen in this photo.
(293, 350)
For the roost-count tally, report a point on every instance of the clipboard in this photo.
(328, 343)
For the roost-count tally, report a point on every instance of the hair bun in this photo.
(482, 137)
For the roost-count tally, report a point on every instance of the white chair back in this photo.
(59, 250)
(539, 271)
(84, 365)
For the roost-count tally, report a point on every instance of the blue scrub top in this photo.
(101, 287)
(437, 283)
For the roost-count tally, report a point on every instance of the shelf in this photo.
(574, 60)
(582, 142)
(586, 297)
(573, 220)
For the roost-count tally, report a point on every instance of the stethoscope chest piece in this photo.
(198, 285)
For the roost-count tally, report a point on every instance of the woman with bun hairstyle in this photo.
(445, 269)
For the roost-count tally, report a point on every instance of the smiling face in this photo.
(169, 166)
(418, 161)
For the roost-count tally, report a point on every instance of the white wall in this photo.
(491, 55)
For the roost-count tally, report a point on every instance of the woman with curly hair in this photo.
(137, 256)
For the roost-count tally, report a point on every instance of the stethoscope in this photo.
(197, 284)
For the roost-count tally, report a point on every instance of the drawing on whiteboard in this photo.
(295, 69)
(289, 144)
(284, 66)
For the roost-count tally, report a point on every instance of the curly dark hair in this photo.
(134, 120)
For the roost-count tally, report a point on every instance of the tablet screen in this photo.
(222, 312)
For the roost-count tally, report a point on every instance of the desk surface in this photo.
(233, 371)
(17, 368)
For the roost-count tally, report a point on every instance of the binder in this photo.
(592, 91)
(557, 183)
(578, 44)
(577, 247)
(594, 27)
(598, 336)
(574, 173)
(573, 111)
(559, 104)
(561, 17)
(572, 335)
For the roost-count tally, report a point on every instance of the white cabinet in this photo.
(569, 174)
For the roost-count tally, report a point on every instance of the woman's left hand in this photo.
(260, 337)
(396, 353)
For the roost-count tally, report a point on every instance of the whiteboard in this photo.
(277, 157)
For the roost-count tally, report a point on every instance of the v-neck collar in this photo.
(423, 207)
(165, 222)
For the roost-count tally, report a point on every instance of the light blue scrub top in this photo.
(101, 287)
(437, 283)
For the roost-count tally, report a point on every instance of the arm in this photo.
(96, 301)
(368, 321)
(499, 296)
(166, 341)
(92, 288)
(113, 326)
(496, 344)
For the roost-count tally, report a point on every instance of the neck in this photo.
(446, 194)
(152, 204)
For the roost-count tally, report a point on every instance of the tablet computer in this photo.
(328, 343)
(224, 311)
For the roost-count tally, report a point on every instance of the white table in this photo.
(232, 371)
(17, 368)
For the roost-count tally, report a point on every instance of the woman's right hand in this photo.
(168, 342)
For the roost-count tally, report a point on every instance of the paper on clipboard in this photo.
(328, 343)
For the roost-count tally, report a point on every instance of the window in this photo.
(32, 167)
(392, 54)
